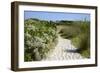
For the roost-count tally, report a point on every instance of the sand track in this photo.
(63, 51)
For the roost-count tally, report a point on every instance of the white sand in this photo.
(63, 51)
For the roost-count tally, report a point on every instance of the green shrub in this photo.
(39, 38)
(82, 40)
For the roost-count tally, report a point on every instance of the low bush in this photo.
(39, 38)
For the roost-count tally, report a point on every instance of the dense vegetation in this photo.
(41, 36)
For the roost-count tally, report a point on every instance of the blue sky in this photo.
(56, 16)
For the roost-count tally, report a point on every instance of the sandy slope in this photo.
(63, 51)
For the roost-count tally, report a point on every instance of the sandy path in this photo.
(63, 51)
